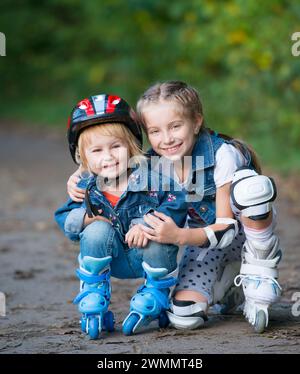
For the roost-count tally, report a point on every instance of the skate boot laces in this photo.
(239, 279)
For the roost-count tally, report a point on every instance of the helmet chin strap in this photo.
(91, 210)
(108, 182)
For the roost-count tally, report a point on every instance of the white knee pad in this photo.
(252, 194)
(187, 315)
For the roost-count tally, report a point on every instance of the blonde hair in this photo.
(117, 130)
(190, 103)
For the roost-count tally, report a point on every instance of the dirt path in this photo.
(37, 268)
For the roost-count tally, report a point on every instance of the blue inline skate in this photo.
(151, 300)
(94, 297)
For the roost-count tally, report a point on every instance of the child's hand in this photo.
(88, 220)
(75, 193)
(163, 229)
(136, 238)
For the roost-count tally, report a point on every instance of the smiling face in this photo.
(170, 133)
(106, 149)
(106, 156)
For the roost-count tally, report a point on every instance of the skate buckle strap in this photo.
(259, 270)
(153, 287)
(161, 283)
(90, 278)
(257, 210)
(159, 296)
(268, 263)
(83, 294)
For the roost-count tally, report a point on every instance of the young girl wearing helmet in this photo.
(104, 138)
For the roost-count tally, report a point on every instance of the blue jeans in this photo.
(99, 239)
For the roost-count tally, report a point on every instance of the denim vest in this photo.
(202, 211)
(146, 191)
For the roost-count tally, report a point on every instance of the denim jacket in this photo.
(202, 206)
(146, 191)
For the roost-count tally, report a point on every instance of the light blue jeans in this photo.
(99, 239)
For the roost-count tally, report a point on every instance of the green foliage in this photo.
(237, 53)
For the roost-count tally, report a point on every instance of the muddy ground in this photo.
(37, 267)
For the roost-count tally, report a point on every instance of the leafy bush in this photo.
(237, 53)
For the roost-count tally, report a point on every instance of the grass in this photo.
(52, 113)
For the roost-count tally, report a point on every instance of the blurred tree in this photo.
(237, 53)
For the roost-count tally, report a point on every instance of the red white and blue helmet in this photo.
(100, 109)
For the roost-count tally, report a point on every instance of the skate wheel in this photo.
(130, 323)
(93, 327)
(260, 322)
(163, 320)
(109, 321)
